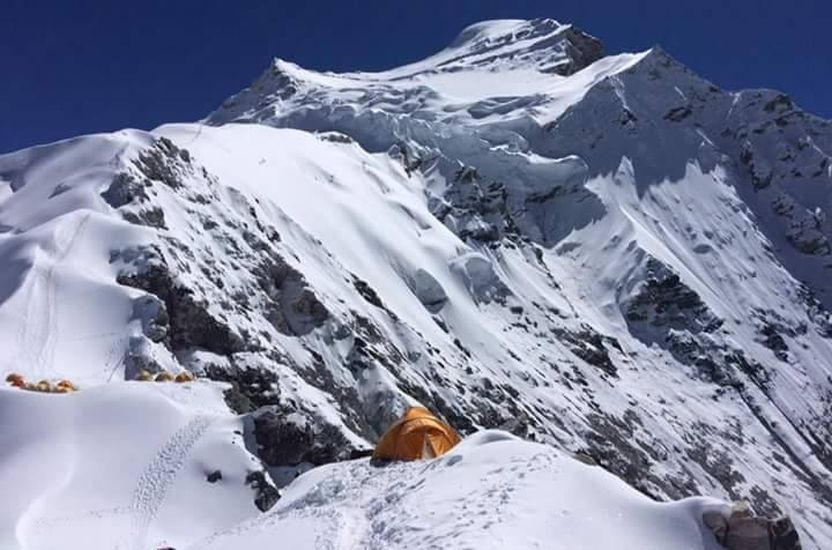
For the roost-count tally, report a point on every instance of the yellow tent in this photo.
(417, 434)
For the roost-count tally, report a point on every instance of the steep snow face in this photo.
(605, 254)
(492, 491)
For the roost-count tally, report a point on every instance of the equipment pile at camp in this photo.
(45, 386)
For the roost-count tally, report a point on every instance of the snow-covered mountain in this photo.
(605, 254)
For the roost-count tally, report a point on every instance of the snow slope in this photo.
(492, 491)
(120, 466)
(603, 254)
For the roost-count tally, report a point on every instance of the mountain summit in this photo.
(543, 44)
(605, 254)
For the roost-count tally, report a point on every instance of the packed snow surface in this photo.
(491, 491)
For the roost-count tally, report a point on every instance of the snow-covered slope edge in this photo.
(491, 491)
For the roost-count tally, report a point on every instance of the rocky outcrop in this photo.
(265, 494)
(289, 438)
(191, 324)
(663, 301)
(293, 309)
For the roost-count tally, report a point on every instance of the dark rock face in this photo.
(265, 494)
(590, 346)
(155, 162)
(821, 318)
(368, 293)
(251, 388)
(807, 235)
(428, 290)
(153, 314)
(151, 217)
(717, 463)
(191, 324)
(583, 50)
(289, 438)
(123, 190)
(773, 331)
(665, 302)
(775, 342)
(293, 308)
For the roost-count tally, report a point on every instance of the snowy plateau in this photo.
(563, 253)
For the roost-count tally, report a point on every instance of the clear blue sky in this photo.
(74, 67)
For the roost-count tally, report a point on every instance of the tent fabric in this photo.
(418, 434)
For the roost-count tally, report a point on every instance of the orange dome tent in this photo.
(417, 434)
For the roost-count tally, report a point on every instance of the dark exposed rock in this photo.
(153, 314)
(663, 300)
(367, 292)
(678, 114)
(807, 235)
(293, 307)
(763, 503)
(151, 217)
(292, 438)
(717, 462)
(756, 372)
(428, 290)
(627, 119)
(520, 426)
(251, 388)
(583, 50)
(265, 494)
(123, 190)
(335, 137)
(214, 476)
(780, 102)
(819, 315)
(590, 346)
(191, 325)
(774, 341)
(467, 174)
(163, 162)
(360, 453)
